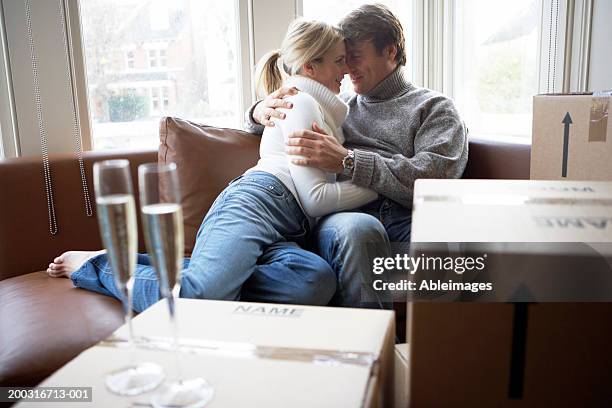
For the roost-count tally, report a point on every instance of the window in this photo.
(209, 47)
(152, 58)
(155, 99)
(333, 11)
(485, 54)
(160, 99)
(496, 64)
(188, 55)
(162, 58)
(129, 58)
(165, 97)
(157, 56)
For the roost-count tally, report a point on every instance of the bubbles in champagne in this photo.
(163, 226)
(117, 218)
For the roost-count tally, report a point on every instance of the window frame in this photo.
(433, 45)
(9, 140)
(435, 23)
(10, 137)
(578, 46)
(257, 31)
(440, 39)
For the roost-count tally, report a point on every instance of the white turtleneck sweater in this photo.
(316, 191)
(400, 133)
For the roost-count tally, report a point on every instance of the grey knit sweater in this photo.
(400, 133)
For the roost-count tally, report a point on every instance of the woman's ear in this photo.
(308, 69)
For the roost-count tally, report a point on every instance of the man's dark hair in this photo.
(377, 23)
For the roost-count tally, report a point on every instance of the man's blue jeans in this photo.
(247, 248)
(350, 240)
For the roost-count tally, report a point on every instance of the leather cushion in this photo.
(208, 159)
(45, 322)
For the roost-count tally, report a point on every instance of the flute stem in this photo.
(127, 307)
(175, 335)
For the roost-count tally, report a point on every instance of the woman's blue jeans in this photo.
(247, 248)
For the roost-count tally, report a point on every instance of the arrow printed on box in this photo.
(567, 121)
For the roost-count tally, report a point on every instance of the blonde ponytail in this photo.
(306, 41)
(268, 75)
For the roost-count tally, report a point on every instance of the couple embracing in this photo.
(333, 186)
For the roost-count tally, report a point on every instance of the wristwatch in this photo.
(348, 163)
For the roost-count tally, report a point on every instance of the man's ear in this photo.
(391, 51)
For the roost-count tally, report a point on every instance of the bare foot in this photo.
(68, 262)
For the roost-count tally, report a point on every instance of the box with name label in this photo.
(253, 354)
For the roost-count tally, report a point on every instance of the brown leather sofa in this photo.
(45, 322)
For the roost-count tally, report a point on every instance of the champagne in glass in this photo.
(117, 219)
(163, 226)
(163, 223)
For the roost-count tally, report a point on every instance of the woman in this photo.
(248, 246)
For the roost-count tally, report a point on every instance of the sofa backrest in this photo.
(492, 159)
(26, 244)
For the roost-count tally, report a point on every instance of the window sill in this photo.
(520, 140)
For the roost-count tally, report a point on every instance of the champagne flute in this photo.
(163, 225)
(117, 220)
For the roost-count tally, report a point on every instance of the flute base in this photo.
(135, 379)
(191, 393)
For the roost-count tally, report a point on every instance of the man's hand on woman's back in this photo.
(267, 108)
(316, 149)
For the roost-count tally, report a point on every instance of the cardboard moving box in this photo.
(253, 354)
(538, 240)
(572, 137)
(401, 375)
(511, 211)
(505, 355)
(521, 354)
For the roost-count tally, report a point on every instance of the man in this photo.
(395, 133)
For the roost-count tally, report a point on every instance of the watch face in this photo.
(349, 162)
